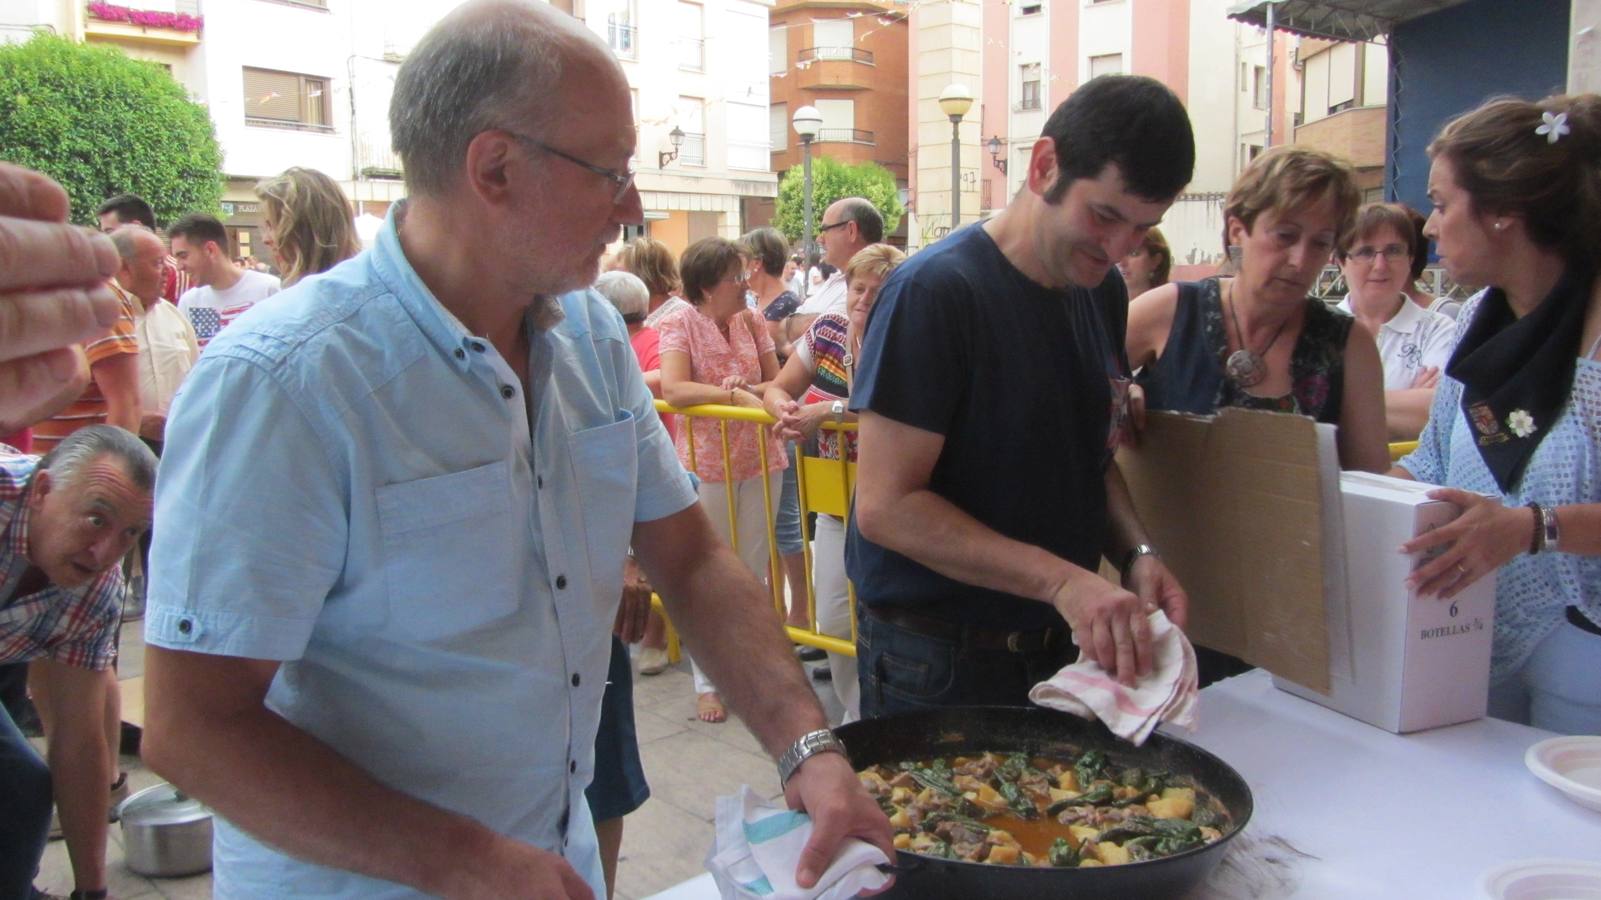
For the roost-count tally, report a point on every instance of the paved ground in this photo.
(688, 763)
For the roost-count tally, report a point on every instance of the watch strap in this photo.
(807, 746)
(1133, 555)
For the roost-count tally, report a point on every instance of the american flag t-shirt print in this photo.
(208, 321)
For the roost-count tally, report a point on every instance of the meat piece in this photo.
(905, 780)
(957, 833)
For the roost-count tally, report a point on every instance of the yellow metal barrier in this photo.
(824, 486)
(1401, 448)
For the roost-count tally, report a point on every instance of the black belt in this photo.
(1577, 620)
(973, 636)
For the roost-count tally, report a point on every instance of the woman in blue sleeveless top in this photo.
(1258, 340)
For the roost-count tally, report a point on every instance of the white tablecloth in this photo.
(1345, 810)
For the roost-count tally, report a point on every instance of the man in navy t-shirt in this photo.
(990, 388)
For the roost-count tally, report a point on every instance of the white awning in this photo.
(1337, 20)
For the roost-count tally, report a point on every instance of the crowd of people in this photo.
(413, 503)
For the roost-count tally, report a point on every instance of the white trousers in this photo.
(834, 609)
(753, 524)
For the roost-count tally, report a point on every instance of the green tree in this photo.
(102, 124)
(832, 180)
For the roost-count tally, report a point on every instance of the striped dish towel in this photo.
(759, 845)
(1166, 695)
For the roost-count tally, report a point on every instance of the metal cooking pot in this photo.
(973, 729)
(165, 833)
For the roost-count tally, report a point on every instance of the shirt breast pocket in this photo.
(606, 473)
(452, 552)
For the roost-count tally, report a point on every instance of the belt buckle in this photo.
(1014, 642)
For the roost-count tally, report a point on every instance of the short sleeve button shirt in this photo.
(358, 487)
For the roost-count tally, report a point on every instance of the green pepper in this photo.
(1019, 802)
(1012, 768)
(1204, 814)
(1101, 793)
(930, 778)
(1062, 855)
(1088, 767)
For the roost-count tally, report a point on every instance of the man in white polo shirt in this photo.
(224, 291)
(848, 225)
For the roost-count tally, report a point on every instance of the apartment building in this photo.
(1344, 92)
(1031, 54)
(848, 60)
(309, 82)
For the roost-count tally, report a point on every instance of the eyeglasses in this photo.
(624, 179)
(840, 224)
(1368, 254)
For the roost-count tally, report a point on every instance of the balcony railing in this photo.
(178, 16)
(844, 136)
(692, 54)
(693, 150)
(848, 54)
(623, 39)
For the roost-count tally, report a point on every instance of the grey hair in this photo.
(866, 216)
(483, 66)
(626, 291)
(67, 460)
(126, 240)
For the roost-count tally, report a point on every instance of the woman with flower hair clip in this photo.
(1513, 434)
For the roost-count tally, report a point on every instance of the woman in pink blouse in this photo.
(717, 351)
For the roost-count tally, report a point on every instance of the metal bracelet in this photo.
(1537, 539)
(810, 744)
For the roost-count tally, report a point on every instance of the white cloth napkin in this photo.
(758, 847)
(1166, 695)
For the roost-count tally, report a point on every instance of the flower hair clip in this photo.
(1553, 126)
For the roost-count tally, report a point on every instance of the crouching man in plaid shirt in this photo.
(66, 521)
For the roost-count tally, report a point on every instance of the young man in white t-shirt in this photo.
(223, 290)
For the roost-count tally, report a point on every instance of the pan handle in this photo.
(908, 862)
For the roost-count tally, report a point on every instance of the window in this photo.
(286, 99)
(1106, 64)
(778, 50)
(778, 126)
(1029, 96)
(691, 37)
(839, 120)
(833, 38)
(692, 113)
(1029, 9)
(621, 32)
(1259, 87)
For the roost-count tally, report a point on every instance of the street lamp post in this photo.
(955, 101)
(807, 120)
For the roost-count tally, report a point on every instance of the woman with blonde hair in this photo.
(813, 387)
(652, 262)
(309, 224)
(1516, 194)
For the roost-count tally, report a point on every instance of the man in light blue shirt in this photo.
(396, 507)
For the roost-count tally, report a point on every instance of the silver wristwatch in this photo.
(1553, 530)
(810, 744)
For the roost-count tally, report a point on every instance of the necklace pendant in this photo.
(1245, 369)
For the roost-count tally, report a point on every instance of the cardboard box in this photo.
(1418, 662)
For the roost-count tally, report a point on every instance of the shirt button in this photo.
(575, 679)
(561, 582)
(460, 353)
(508, 391)
(185, 626)
(478, 345)
(539, 480)
(572, 766)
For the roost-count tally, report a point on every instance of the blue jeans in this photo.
(786, 520)
(25, 799)
(902, 671)
(1559, 688)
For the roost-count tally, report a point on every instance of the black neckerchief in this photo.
(1517, 373)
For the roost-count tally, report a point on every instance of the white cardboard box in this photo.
(1414, 662)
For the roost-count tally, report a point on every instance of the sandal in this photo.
(709, 708)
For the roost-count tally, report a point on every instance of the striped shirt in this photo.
(75, 627)
(90, 407)
(823, 349)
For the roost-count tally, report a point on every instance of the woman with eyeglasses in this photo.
(1259, 340)
(1516, 191)
(1414, 343)
(718, 351)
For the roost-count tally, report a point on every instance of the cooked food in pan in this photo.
(1032, 811)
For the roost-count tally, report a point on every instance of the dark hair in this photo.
(706, 262)
(129, 208)
(652, 262)
(1420, 241)
(1132, 121)
(767, 246)
(869, 224)
(200, 228)
(1508, 167)
(1375, 216)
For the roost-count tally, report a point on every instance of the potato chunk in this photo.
(1067, 781)
(901, 819)
(1111, 854)
(903, 841)
(1004, 854)
(1175, 803)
